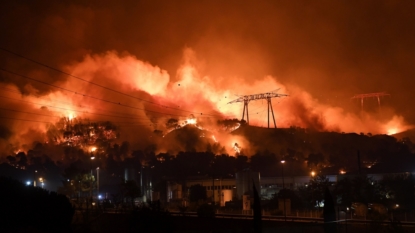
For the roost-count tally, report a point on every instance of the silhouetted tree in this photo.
(172, 123)
(130, 190)
(343, 191)
(257, 212)
(11, 160)
(400, 189)
(22, 160)
(28, 207)
(329, 213)
(316, 188)
(315, 159)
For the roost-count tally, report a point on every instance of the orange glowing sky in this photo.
(176, 58)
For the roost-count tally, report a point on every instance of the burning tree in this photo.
(172, 123)
(76, 132)
(230, 124)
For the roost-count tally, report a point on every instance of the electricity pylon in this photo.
(370, 95)
(268, 96)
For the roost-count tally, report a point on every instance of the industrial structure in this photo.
(267, 96)
(370, 95)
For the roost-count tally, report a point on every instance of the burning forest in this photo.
(81, 84)
(181, 104)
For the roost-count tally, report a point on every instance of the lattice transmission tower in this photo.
(267, 96)
(370, 95)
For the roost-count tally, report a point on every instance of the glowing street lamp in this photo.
(34, 178)
(42, 182)
(98, 196)
(90, 179)
(313, 173)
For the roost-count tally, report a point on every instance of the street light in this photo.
(34, 178)
(90, 178)
(283, 187)
(98, 184)
(312, 194)
(41, 181)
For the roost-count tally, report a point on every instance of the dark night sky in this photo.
(323, 51)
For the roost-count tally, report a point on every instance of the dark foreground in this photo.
(109, 222)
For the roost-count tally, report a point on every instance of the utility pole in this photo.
(98, 184)
(283, 188)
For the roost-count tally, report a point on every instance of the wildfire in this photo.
(191, 121)
(236, 127)
(18, 151)
(393, 131)
(71, 116)
(237, 148)
(193, 91)
(396, 125)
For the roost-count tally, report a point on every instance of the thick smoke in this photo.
(188, 57)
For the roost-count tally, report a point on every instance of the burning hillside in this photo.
(193, 135)
(142, 107)
(81, 133)
(138, 65)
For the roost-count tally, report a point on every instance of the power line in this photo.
(13, 110)
(63, 102)
(48, 122)
(92, 97)
(71, 110)
(96, 84)
(62, 108)
(11, 118)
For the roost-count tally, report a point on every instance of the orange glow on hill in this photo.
(392, 131)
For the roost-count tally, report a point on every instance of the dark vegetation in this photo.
(328, 151)
(304, 151)
(329, 213)
(33, 209)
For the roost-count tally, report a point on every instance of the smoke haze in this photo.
(178, 58)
